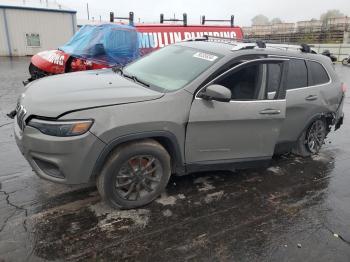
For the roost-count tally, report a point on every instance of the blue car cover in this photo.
(112, 44)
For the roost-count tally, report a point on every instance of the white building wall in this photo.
(54, 29)
(3, 39)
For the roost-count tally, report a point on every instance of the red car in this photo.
(108, 45)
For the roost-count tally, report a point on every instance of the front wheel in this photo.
(312, 139)
(345, 61)
(134, 174)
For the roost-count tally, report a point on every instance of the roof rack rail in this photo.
(184, 19)
(231, 20)
(305, 48)
(130, 18)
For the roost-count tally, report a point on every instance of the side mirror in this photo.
(216, 92)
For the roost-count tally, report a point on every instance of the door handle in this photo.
(270, 111)
(311, 98)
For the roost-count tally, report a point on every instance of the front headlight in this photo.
(61, 128)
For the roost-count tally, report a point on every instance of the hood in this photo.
(56, 95)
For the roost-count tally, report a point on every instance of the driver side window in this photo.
(252, 82)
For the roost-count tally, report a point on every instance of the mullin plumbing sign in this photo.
(153, 37)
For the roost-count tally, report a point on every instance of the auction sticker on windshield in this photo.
(205, 56)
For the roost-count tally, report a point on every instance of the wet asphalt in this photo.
(295, 210)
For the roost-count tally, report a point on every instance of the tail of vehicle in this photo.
(344, 88)
(339, 115)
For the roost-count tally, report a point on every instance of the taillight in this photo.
(80, 65)
(344, 87)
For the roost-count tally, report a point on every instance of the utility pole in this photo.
(87, 10)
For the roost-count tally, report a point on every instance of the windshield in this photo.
(171, 68)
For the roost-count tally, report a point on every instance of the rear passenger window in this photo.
(297, 74)
(317, 73)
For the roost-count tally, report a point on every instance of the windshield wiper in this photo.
(116, 69)
(136, 79)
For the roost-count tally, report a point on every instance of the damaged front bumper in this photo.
(67, 160)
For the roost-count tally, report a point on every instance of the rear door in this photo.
(308, 88)
(247, 127)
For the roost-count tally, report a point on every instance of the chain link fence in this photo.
(333, 30)
(341, 51)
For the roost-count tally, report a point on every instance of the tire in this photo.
(345, 61)
(304, 144)
(134, 174)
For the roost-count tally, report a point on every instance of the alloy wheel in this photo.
(316, 136)
(138, 177)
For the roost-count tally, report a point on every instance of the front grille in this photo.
(21, 114)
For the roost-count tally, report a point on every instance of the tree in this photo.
(331, 14)
(276, 20)
(260, 20)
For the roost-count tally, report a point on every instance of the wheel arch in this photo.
(167, 139)
(298, 147)
(327, 116)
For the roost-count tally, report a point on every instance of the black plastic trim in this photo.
(284, 147)
(228, 164)
(179, 164)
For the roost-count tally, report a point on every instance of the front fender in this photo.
(328, 116)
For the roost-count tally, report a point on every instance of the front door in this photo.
(247, 127)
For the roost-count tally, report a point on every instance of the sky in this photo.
(244, 10)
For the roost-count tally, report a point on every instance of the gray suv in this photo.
(193, 106)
